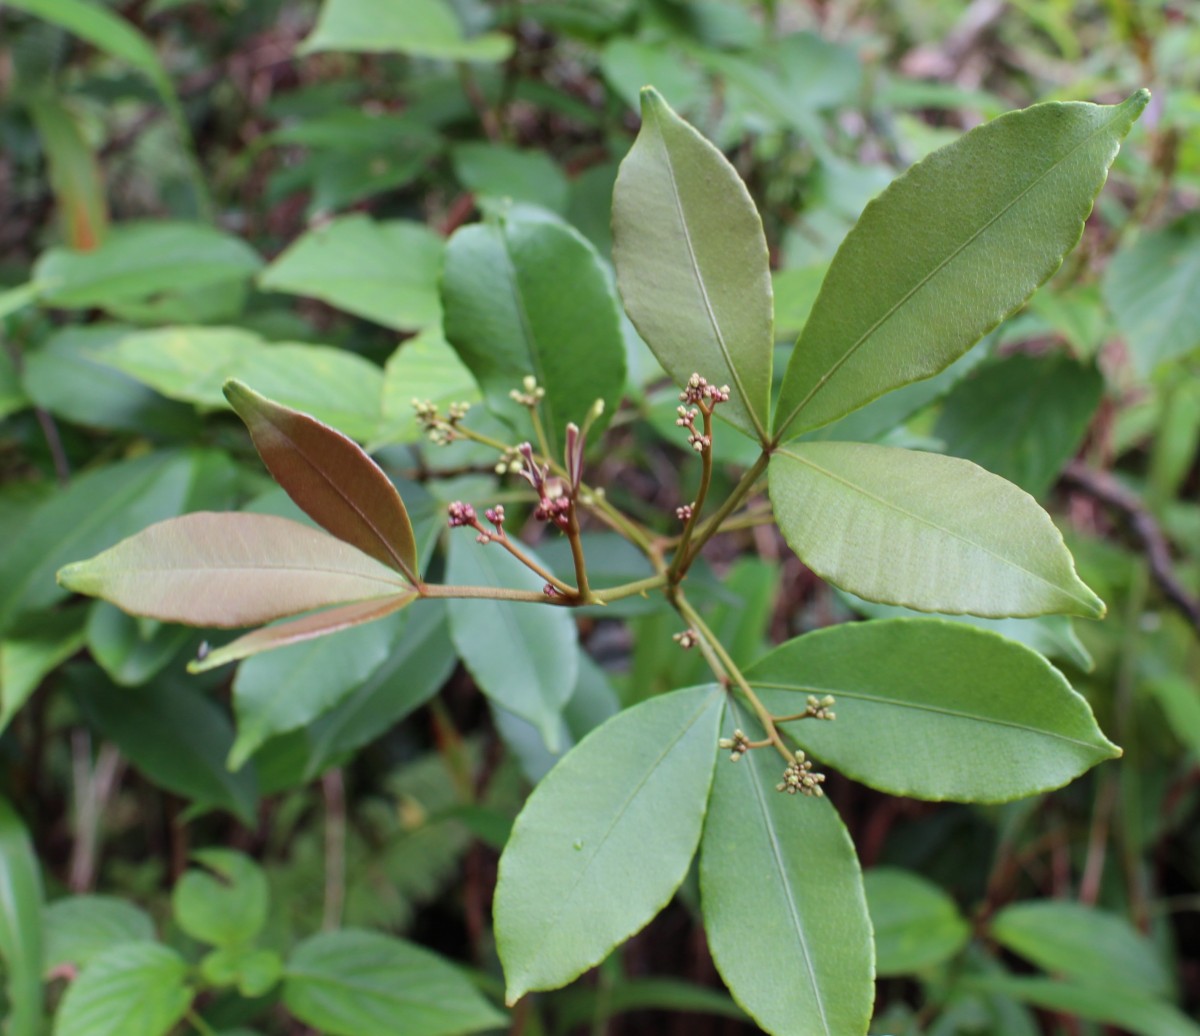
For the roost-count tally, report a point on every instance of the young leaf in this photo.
(353, 983)
(229, 570)
(946, 252)
(134, 989)
(522, 656)
(227, 907)
(330, 478)
(20, 925)
(605, 839)
(524, 297)
(929, 532)
(783, 903)
(692, 263)
(934, 709)
(917, 926)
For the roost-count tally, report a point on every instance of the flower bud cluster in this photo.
(461, 514)
(441, 431)
(684, 513)
(700, 392)
(739, 745)
(820, 708)
(687, 640)
(799, 777)
(532, 395)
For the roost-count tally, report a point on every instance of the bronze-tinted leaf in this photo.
(330, 478)
(227, 570)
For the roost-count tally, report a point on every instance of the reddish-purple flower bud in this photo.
(460, 514)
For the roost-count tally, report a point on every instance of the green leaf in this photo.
(134, 989)
(20, 925)
(497, 171)
(1022, 417)
(783, 903)
(31, 650)
(917, 926)
(423, 368)
(1136, 1013)
(421, 28)
(330, 479)
(1176, 694)
(172, 732)
(929, 532)
(141, 260)
(97, 508)
(131, 651)
(193, 364)
(523, 656)
(532, 297)
(1153, 289)
(73, 172)
(692, 263)
(288, 688)
(934, 709)
(605, 839)
(385, 272)
(253, 972)
(945, 253)
(1083, 944)
(79, 928)
(229, 570)
(354, 983)
(226, 907)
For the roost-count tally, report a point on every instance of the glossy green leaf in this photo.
(173, 733)
(1087, 945)
(522, 656)
(98, 507)
(692, 263)
(131, 651)
(421, 28)
(525, 297)
(20, 925)
(806, 963)
(386, 272)
(284, 690)
(193, 364)
(134, 989)
(493, 170)
(917, 926)
(928, 532)
(605, 839)
(230, 570)
(1133, 1012)
(30, 650)
(1153, 289)
(354, 983)
(934, 709)
(945, 253)
(224, 904)
(330, 479)
(79, 928)
(1022, 417)
(140, 260)
(427, 369)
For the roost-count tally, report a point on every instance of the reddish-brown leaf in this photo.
(330, 478)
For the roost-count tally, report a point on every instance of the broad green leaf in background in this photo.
(329, 478)
(630, 64)
(526, 296)
(917, 925)
(423, 368)
(384, 271)
(934, 709)
(498, 171)
(97, 508)
(287, 688)
(131, 650)
(225, 904)
(174, 733)
(928, 532)
(73, 172)
(35, 646)
(20, 925)
(1153, 289)
(140, 260)
(254, 972)
(133, 989)
(1087, 945)
(421, 28)
(946, 252)
(193, 364)
(1022, 417)
(605, 839)
(523, 656)
(1176, 694)
(12, 394)
(229, 570)
(783, 902)
(79, 928)
(692, 263)
(355, 983)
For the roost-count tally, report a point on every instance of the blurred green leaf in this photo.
(917, 926)
(74, 173)
(21, 936)
(497, 171)
(253, 972)
(131, 651)
(225, 908)
(32, 649)
(79, 928)
(422, 28)
(133, 989)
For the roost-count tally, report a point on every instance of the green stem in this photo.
(584, 592)
(679, 561)
(199, 1024)
(710, 527)
(640, 586)
(497, 593)
(508, 544)
(543, 443)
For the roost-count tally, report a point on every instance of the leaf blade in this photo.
(21, 934)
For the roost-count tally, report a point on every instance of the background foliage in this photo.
(290, 194)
